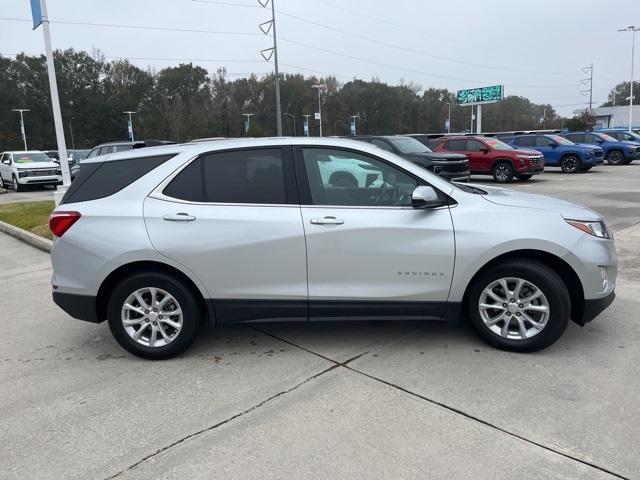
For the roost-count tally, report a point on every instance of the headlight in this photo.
(631, 149)
(23, 174)
(597, 229)
(588, 154)
(526, 157)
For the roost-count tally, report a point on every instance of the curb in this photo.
(29, 238)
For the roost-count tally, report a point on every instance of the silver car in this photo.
(156, 241)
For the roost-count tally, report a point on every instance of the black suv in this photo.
(451, 166)
(112, 147)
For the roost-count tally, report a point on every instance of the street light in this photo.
(247, 122)
(353, 124)
(306, 125)
(633, 29)
(319, 87)
(130, 124)
(294, 122)
(24, 135)
(449, 118)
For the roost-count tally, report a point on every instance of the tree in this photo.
(620, 94)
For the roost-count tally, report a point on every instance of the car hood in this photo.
(435, 156)
(35, 165)
(525, 151)
(513, 198)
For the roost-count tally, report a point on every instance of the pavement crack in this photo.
(488, 424)
(221, 423)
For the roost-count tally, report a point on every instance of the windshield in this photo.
(633, 137)
(606, 138)
(408, 145)
(30, 157)
(561, 140)
(497, 144)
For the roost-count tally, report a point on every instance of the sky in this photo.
(535, 49)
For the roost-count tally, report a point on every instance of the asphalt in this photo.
(354, 400)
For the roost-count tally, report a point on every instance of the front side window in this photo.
(338, 177)
(525, 141)
(542, 142)
(496, 144)
(474, 146)
(93, 153)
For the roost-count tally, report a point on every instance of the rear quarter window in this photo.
(103, 179)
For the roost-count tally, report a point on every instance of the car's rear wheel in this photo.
(615, 157)
(154, 315)
(521, 305)
(570, 164)
(503, 172)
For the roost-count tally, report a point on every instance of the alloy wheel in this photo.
(570, 164)
(615, 158)
(503, 173)
(152, 317)
(514, 308)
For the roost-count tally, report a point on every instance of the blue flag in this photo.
(36, 13)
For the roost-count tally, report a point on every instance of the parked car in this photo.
(113, 147)
(558, 151)
(452, 166)
(621, 134)
(490, 156)
(74, 155)
(250, 230)
(616, 152)
(20, 169)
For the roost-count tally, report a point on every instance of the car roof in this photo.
(23, 151)
(229, 144)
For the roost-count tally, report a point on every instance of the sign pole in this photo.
(55, 101)
(479, 119)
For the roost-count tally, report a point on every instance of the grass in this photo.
(31, 216)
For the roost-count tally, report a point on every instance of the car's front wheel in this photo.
(570, 164)
(615, 157)
(154, 315)
(503, 172)
(520, 305)
(17, 187)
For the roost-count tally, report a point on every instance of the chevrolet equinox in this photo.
(156, 241)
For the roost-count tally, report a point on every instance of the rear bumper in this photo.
(593, 307)
(82, 307)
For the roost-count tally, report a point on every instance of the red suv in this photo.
(490, 156)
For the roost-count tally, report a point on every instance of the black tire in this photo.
(343, 180)
(524, 178)
(191, 314)
(2, 184)
(615, 157)
(547, 281)
(502, 172)
(570, 164)
(16, 185)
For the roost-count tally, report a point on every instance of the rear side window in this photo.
(246, 176)
(100, 180)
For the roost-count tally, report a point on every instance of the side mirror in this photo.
(6, 161)
(484, 150)
(553, 144)
(426, 197)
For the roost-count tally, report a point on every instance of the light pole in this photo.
(130, 124)
(633, 29)
(449, 118)
(73, 143)
(319, 87)
(306, 125)
(247, 122)
(293, 117)
(24, 135)
(353, 124)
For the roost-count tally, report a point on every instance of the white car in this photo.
(343, 172)
(19, 169)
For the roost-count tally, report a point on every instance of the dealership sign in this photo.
(476, 96)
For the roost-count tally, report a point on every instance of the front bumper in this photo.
(48, 180)
(593, 307)
(82, 307)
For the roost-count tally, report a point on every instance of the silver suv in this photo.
(156, 241)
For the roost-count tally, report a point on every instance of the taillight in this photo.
(60, 222)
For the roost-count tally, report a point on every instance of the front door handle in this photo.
(179, 217)
(327, 221)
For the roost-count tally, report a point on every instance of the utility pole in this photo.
(588, 81)
(130, 124)
(319, 87)
(449, 118)
(273, 51)
(293, 117)
(353, 124)
(633, 29)
(24, 135)
(306, 125)
(73, 143)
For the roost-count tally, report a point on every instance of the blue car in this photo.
(558, 151)
(616, 152)
(621, 134)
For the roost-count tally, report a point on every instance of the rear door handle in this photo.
(179, 217)
(327, 221)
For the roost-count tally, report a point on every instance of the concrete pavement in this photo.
(354, 400)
